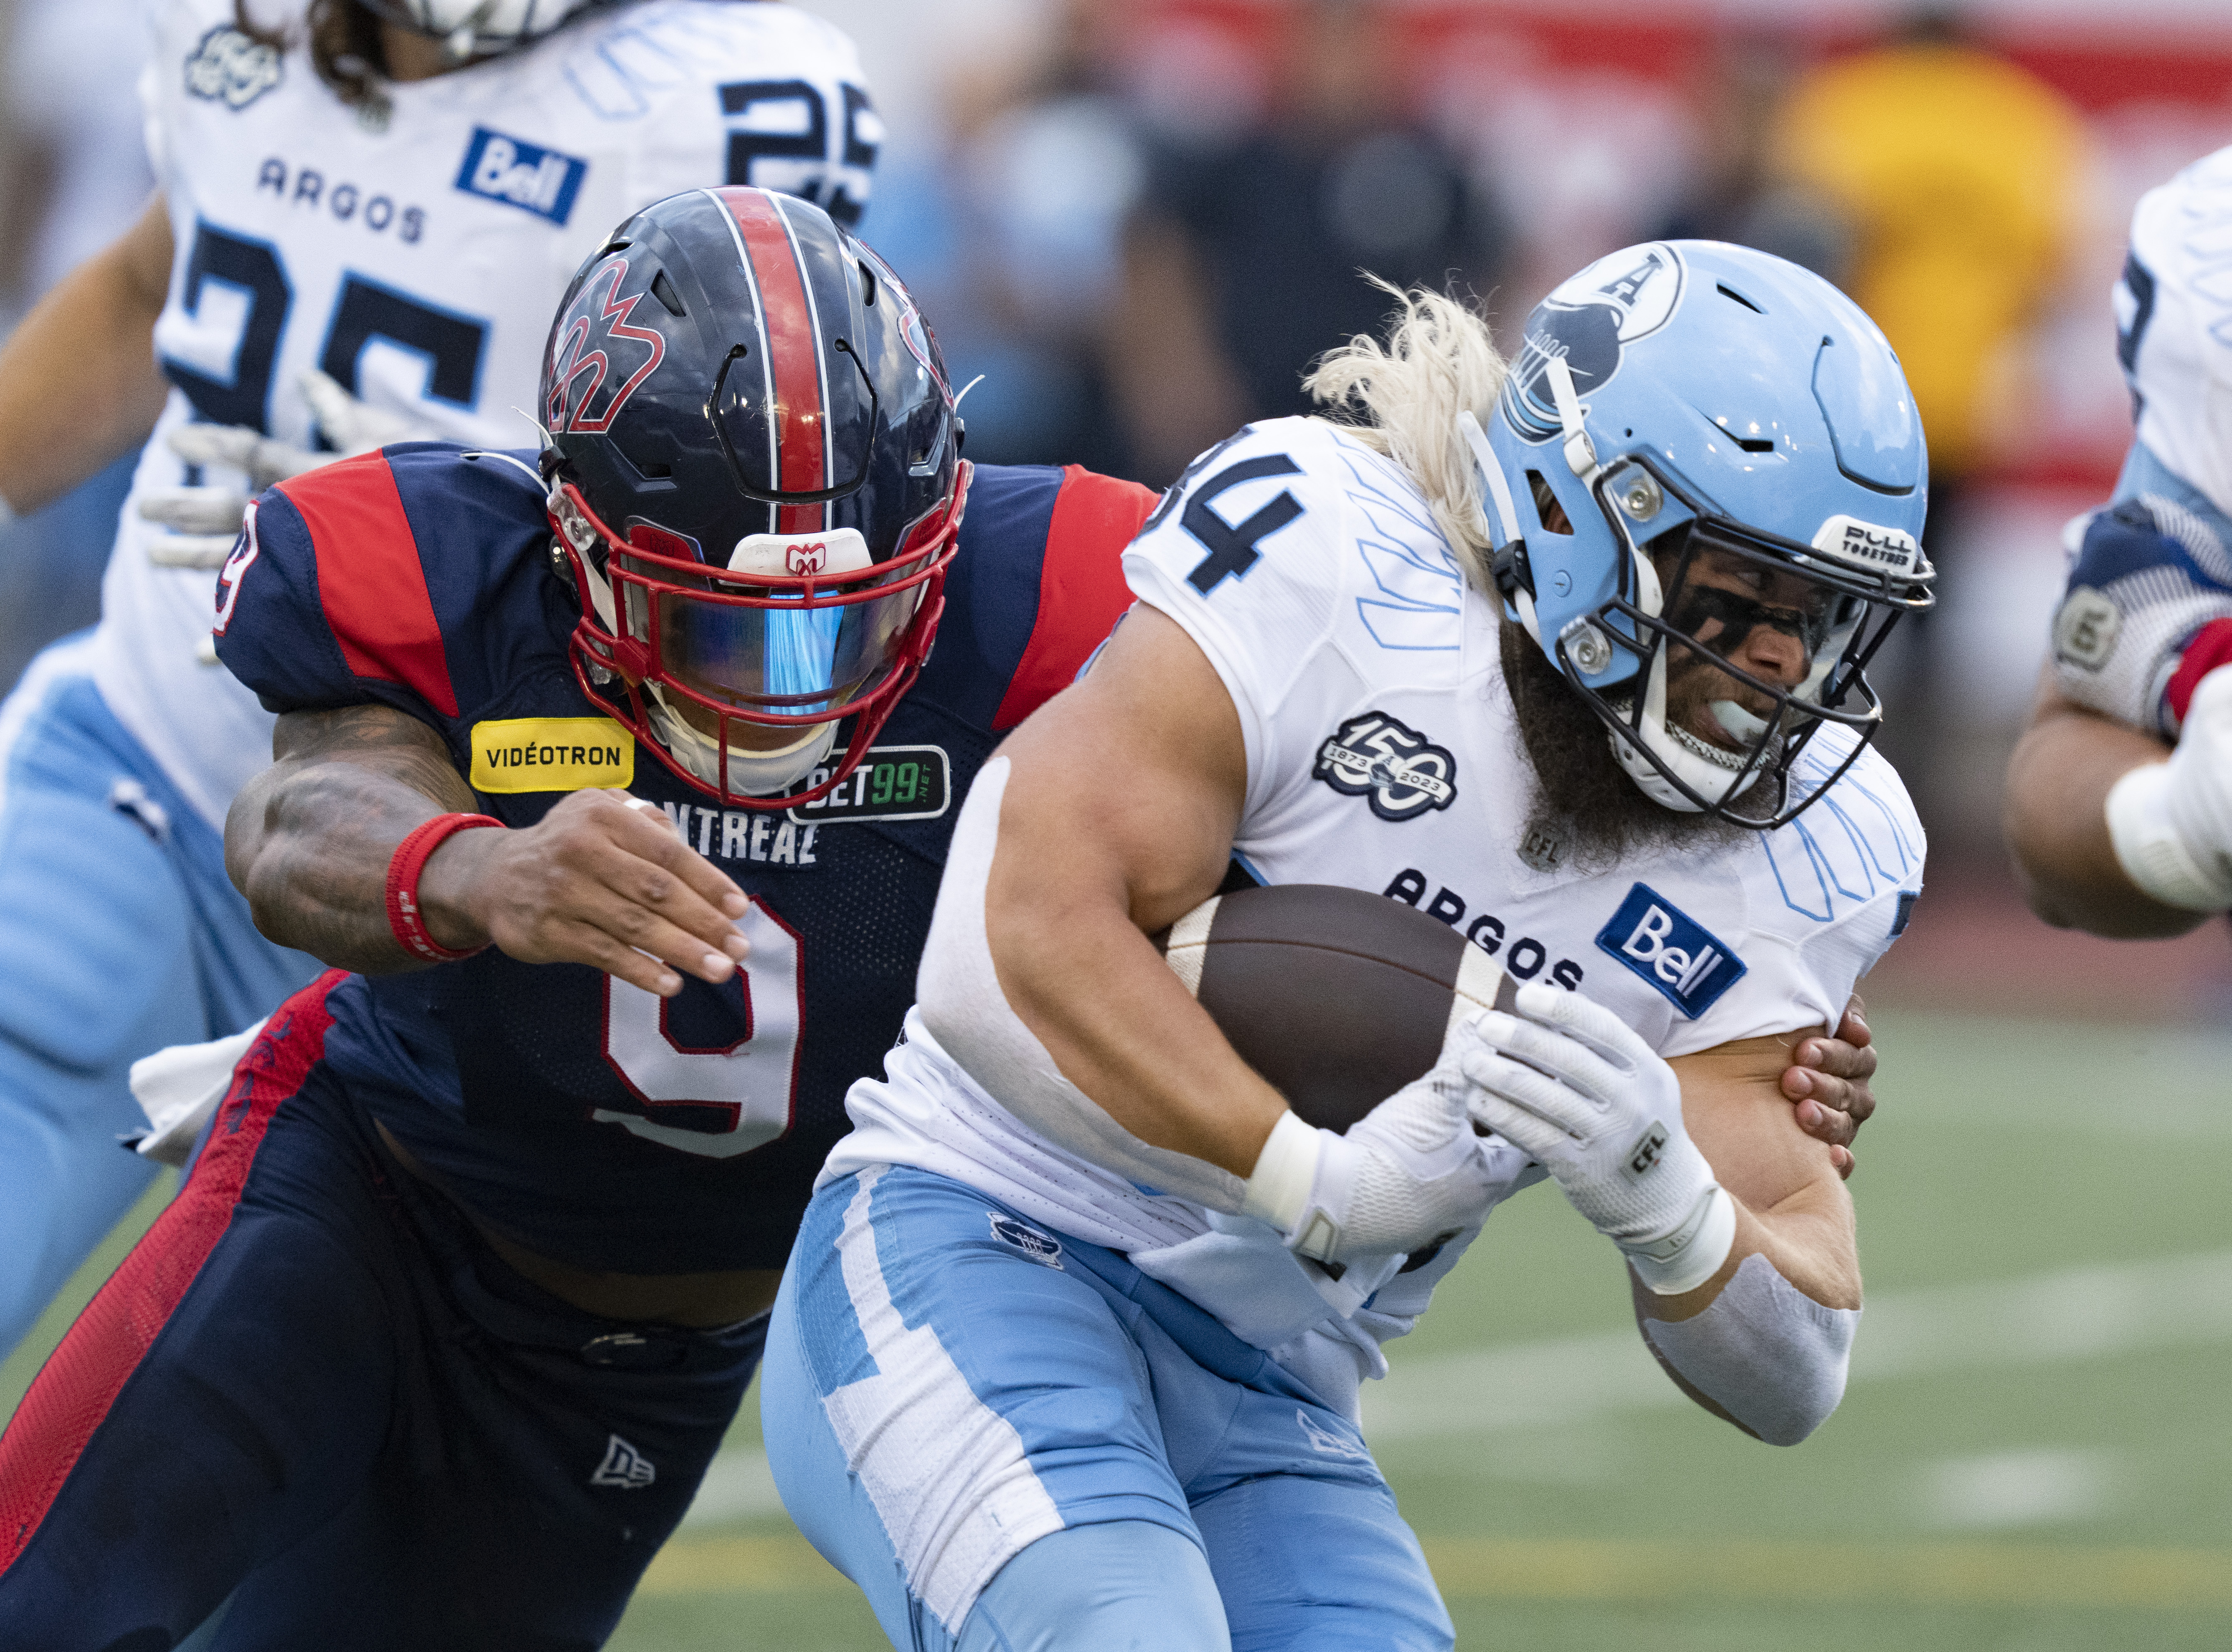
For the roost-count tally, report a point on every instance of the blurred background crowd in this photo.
(1138, 220)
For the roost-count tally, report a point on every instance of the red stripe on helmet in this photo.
(793, 354)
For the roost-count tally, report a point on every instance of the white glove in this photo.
(1570, 1083)
(203, 522)
(2172, 823)
(1409, 1173)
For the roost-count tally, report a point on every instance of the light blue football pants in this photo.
(1016, 1441)
(119, 933)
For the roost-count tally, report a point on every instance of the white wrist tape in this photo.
(1765, 1353)
(1279, 1190)
(2150, 849)
(958, 991)
(1693, 1253)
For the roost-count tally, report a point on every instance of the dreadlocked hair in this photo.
(345, 46)
(1403, 399)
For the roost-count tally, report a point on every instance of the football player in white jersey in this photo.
(363, 224)
(2120, 796)
(1567, 656)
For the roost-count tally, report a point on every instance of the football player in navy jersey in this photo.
(633, 836)
(366, 211)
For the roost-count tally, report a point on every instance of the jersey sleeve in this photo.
(1826, 896)
(327, 599)
(1082, 592)
(1250, 551)
(2175, 352)
(776, 99)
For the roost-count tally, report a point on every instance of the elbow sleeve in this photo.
(958, 990)
(1765, 1353)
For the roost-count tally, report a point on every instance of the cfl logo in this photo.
(1645, 1155)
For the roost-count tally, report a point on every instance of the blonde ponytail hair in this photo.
(1403, 399)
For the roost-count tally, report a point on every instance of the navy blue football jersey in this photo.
(593, 1122)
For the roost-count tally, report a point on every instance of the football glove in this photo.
(2172, 823)
(1568, 1082)
(203, 524)
(1409, 1174)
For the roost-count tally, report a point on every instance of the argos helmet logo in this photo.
(594, 347)
(1589, 321)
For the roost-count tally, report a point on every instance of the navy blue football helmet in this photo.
(1699, 446)
(755, 469)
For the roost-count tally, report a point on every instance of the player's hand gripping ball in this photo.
(1346, 1001)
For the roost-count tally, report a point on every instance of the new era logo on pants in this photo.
(624, 1466)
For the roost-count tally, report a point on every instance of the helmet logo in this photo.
(1863, 545)
(1588, 321)
(594, 344)
(833, 551)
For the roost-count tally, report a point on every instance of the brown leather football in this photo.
(1339, 997)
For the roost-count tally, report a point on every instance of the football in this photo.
(1337, 997)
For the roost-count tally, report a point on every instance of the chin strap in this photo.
(1491, 476)
(1580, 451)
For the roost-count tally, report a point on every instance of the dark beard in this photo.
(1587, 815)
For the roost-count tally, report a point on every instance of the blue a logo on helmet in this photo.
(1588, 321)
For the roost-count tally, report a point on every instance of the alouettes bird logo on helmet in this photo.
(592, 347)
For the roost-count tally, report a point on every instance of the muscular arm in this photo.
(1791, 1203)
(594, 881)
(1122, 799)
(78, 380)
(2057, 826)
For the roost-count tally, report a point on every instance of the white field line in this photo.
(2080, 1313)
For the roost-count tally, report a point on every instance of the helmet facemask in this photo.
(739, 675)
(1723, 716)
(754, 472)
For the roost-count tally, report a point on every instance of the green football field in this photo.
(2034, 1453)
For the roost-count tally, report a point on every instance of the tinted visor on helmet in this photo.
(797, 631)
(754, 648)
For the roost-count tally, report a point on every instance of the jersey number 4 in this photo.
(734, 1098)
(1231, 545)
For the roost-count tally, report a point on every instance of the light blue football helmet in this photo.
(1724, 395)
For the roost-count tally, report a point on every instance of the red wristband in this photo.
(402, 869)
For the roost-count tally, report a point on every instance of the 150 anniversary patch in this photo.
(892, 783)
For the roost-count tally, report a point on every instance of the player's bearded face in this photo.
(1770, 625)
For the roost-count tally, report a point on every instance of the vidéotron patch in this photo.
(551, 754)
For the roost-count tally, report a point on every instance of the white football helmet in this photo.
(479, 27)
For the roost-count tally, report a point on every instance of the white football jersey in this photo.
(1383, 755)
(418, 258)
(2174, 326)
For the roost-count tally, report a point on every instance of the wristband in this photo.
(409, 860)
(1285, 1171)
(2150, 852)
(1693, 1253)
